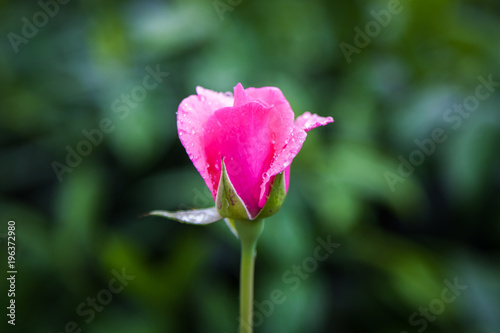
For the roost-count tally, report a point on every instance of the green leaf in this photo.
(228, 203)
(195, 216)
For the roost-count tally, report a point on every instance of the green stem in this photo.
(248, 233)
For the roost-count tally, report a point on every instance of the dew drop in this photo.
(265, 176)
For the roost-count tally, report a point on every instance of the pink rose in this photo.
(252, 136)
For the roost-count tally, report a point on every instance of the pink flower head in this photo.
(253, 133)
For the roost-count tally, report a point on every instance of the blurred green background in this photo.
(69, 71)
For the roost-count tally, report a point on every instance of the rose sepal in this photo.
(229, 204)
(227, 201)
(276, 197)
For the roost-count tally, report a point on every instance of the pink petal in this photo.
(283, 123)
(284, 158)
(242, 136)
(241, 97)
(308, 121)
(271, 96)
(192, 115)
(287, 178)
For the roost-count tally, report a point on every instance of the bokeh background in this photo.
(402, 234)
